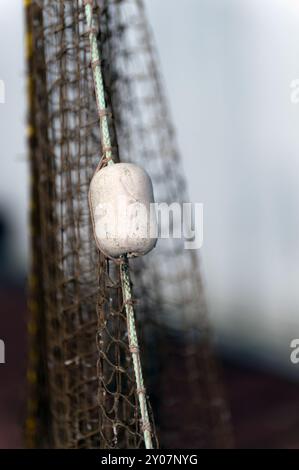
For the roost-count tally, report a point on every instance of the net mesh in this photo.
(82, 388)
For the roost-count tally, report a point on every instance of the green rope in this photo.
(124, 267)
(134, 349)
(98, 83)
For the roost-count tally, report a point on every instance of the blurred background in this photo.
(228, 67)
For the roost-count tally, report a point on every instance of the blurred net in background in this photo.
(81, 383)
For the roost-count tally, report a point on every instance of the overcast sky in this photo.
(227, 65)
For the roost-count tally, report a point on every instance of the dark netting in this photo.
(82, 387)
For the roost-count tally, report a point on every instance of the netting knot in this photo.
(104, 112)
(146, 426)
(135, 350)
(93, 30)
(130, 302)
(95, 63)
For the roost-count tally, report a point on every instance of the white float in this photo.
(121, 202)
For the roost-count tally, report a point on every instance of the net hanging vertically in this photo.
(83, 378)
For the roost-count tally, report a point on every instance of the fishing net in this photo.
(82, 391)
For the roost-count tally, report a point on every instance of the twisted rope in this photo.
(98, 83)
(134, 349)
(124, 267)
